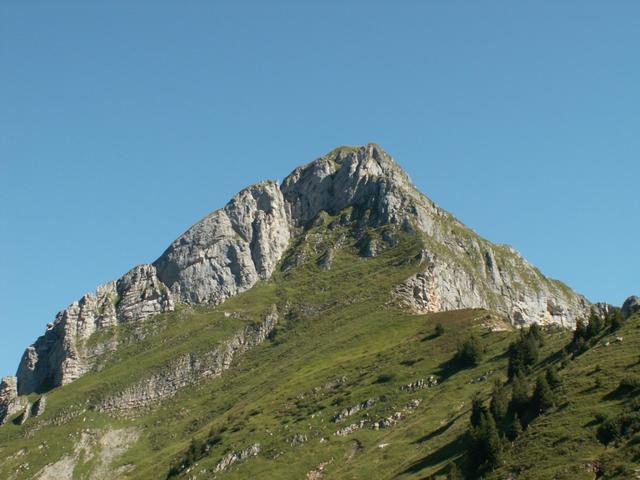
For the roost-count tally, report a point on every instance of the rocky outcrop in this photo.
(365, 179)
(189, 369)
(421, 383)
(631, 306)
(349, 411)
(231, 249)
(39, 406)
(95, 455)
(504, 282)
(58, 357)
(235, 457)
(24, 416)
(10, 403)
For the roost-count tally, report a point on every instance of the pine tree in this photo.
(594, 326)
(530, 350)
(469, 353)
(439, 330)
(553, 379)
(535, 332)
(477, 410)
(516, 360)
(543, 397)
(491, 439)
(616, 320)
(515, 429)
(519, 395)
(580, 333)
(499, 401)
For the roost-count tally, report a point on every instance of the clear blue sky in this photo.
(123, 123)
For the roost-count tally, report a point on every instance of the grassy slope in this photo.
(339, 345)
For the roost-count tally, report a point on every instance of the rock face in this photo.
(235, 457)
(10, 403)
(365, 178)
(509, 285)
(231, 249)
(58, 357)
(39, 406)
(631, 306)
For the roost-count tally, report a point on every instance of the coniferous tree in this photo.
(516, 360)
(485, 446)
(499, 401)
(530, 350)
(469, 352)
(616, 320)
(579, 337)
(594, 326)
(477, 410)
(439, 330)
(536, 333)
(524, 352)
(543, 397)
(553, 379)
(519, 395)
(515, 429)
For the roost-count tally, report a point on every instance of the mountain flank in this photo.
(231, 249)
(338, 325)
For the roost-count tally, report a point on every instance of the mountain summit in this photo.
(336, 325)
(233, 248)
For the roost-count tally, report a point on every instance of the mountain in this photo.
(231, 249)
(288, 332)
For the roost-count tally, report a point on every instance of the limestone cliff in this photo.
(58, 357)
(231, 249)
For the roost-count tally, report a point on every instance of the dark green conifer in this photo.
(519, 395)
(499, 401)
(543, 397)
(553, 379)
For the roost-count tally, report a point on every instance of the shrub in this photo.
(384, 378)
(439, 332)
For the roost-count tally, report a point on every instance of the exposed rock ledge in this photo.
(57, 357)
(10, 403)
(510, 286)
(190, 369)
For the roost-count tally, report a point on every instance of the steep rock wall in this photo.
(231, 249)
(56, 358)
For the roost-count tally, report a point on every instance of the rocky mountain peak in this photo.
(365, 178)
(233, 248)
